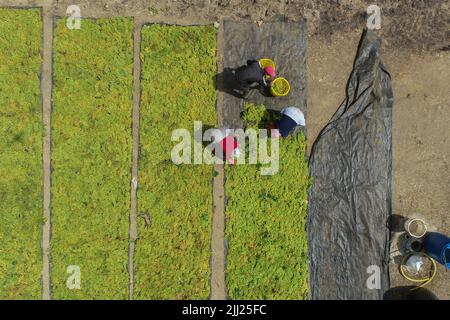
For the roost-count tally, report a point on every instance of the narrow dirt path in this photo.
(135, 152)
(218, 286)
(46, 92)
(218, 250)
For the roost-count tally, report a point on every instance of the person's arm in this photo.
(266, 81)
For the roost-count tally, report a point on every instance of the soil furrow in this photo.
(46, 88)
(218, 251)
(135, 153)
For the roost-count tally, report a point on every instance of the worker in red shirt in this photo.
(228, 146)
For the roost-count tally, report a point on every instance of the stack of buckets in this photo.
(437, 246)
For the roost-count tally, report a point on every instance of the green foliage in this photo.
(20, 154)
(153, 11)
(257, 116)
(266, 223)
(91, 121)
(172, 255)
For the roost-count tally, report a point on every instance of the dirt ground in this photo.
(406, 24)
(416, 44)
(421, 144)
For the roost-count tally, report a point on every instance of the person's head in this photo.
(290, 118)
(270, 71)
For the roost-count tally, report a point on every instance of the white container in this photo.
(416, 228)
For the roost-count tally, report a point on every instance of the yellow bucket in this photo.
(266, 62)
(280, 87)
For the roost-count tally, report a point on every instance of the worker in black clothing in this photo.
(252, 75)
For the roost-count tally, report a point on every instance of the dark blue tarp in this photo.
(350, 198)
(282, 41)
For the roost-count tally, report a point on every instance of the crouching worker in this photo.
(291, 117)
(227, 146)
(253, 75)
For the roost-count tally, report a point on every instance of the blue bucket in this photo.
(437, 246)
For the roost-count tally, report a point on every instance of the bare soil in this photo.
(416, 44)
(46, 91)
(408, 24)
(421, 144)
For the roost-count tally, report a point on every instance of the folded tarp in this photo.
(350, 198)
(282, 41)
